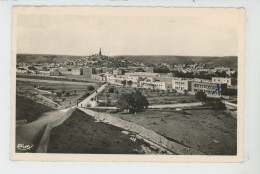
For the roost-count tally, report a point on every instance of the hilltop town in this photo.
(163, 76)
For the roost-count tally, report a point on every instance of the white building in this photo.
(181, 84)
(221, 80)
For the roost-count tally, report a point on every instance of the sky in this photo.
(204, 34)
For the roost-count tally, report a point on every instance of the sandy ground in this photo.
(81, 134)
(211, 132)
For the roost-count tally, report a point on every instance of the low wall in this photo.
(43, 145)
(143, 132)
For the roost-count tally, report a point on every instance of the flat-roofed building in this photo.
(76, 71)
(118, 79)
(87, 72)
(228, 81)
(211, 89)
(54, 72)
(148, 69)
(181, 84)
(142, 74)
(167, 80)
(21, 71)
(45, 73)
(100, 77)
(155, 85)
(118, 71)
(65, 71)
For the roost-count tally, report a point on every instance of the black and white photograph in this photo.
(138, 82)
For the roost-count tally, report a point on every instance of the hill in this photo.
(44, 58)
(217, 61)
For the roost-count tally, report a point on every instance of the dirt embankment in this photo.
(42, 100)
(29, 110)
(143, 132)
(80, 133)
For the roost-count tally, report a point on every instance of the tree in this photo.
(117, 94)
(91, 88)
(201, 96)
(111, 90)
(124, 82)
(67, 94)
(132, 101)
(58, 94)
(63, 92)
(130, 82)
(185, 92)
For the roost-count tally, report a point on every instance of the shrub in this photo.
(111, 90)
(67, 94)
(215, 103)
(91, 88)
(58, 94)
(201, 96)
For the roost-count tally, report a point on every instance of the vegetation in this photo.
(111, 90)
(58, 94)
(91, 88)
(215, 103)
(201, 96)
(67, 94)
(124, 82)
(132, 101)
(130, 82)
(161, 70)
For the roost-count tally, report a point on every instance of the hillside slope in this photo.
(218, 61)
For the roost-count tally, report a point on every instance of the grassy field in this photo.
(28, 109)
(211, 132)
(76, 91)
(81, 134)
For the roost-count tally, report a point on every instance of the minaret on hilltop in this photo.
(100, 52)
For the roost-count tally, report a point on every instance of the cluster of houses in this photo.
(167, 82)
(139, 74)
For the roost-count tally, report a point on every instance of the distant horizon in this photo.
(122, 55)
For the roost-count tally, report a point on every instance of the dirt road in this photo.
(29, 135)
(85, 102)
(179, 105)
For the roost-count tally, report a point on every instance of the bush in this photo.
(216, 104)
(111, 90)
(201, 96)
(58, 94)
(91, 88)
(67, 94)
